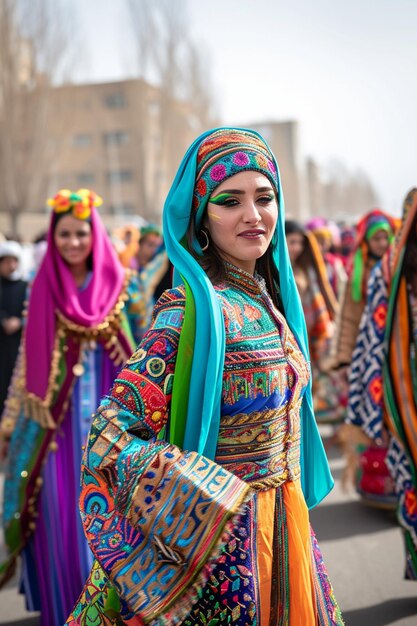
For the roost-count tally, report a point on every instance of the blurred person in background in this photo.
(36, 252)
(150, 244)
(153, 266)
(205, 455)
(76, 337)
(12, 298)
(347, 242)
(126, 240)
(374, 234)
(326, 235)
(320, 309)
(382, 411)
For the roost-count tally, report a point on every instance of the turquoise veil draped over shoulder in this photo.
(197, 388)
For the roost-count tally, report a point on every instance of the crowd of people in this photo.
(180, 375)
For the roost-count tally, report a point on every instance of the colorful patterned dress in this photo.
(329, 394)
(181, 539)
(40, 512)
(382, 398)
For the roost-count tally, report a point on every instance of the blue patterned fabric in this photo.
(365, 407)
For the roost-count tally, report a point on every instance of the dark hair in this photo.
(292, 227)
(42, 236)
(410, 257)
(57, 217)
(213, 264)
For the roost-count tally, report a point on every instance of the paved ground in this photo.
(363, 551)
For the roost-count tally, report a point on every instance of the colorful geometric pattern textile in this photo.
(366, 404)
(174, 533)
(383, 381)
(319, 310)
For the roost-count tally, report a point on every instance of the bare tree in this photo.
(168, 59)
(32, 51)
(199, 87)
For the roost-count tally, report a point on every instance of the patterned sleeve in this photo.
(155, 516)
(135, 307)
(365, 407)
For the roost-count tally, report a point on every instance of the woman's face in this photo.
(241, 217)
(73, 239)
(324, 242)
(295, 243)
(378, 244)
(149, 246)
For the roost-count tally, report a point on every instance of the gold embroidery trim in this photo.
(37, 408)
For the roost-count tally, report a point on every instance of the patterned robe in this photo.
(41, 490)
(372, 402)
(179, 538)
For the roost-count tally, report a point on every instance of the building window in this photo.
(85, 178)
(82, 139)
(154, 107)
(122, 208)
(120, 176)
(115, 100)
(116, 138)
(159, 176)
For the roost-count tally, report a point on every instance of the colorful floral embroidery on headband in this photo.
(80, 203)
(225, 153)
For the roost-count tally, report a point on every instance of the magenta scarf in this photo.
(54, 289)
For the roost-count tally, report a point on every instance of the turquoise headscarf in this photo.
(197, 388)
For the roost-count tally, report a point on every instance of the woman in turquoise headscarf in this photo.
(204, 458)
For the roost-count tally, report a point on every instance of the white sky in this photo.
(345, 69)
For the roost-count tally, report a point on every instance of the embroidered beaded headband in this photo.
(223, 154)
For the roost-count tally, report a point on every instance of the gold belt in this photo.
(263, 447)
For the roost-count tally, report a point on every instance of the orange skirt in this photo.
(308, 605)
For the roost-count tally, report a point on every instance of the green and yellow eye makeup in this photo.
(221, 198)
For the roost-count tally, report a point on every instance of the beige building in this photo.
(311, 190)
(120, 139)
(339, 195)
(123, 139)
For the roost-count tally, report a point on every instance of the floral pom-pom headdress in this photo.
(79, 203)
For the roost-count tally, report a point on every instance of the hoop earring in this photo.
(207, 243)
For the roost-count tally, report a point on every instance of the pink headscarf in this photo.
(54, 289)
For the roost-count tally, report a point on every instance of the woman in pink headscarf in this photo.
(77, 336)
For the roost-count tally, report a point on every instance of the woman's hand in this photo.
(11, 325)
